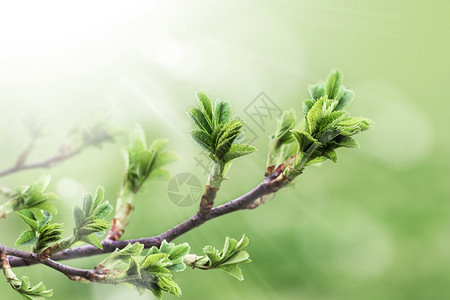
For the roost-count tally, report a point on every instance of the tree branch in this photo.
(70, 272)
(240, 203)
(45, 163)
(65, 152)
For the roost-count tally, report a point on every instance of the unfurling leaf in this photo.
(333, 84)
(316, 91)
(152, 270)
(327, 127)
(31, 197)
(27, 238)
(238, 150)
(142, 161)
(226, 259)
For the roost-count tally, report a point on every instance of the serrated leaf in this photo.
(344, 141)
(330, 120)
(95, 225)
(92, 240)
(226, 137)
(354, 125)
(168, 285)
(99, 195)
(329, 134)
(331, 155)
(166, 247)
(29, 219)
(200, 120)
(222, 112)
(285, 125)
(316, 160)
(179, 267)
(78, 216)
(229, 131)
(307, 104)
(213, 254)
(205, 103)
(304, 140)
(103, 210)
(238, 150)
(179, 251)
(239, 257)
(232, 270)
(333, 84)
(27, 238)
(346, 99)
(24, 288)
(315, 114)
(87, 204)
(202, 139)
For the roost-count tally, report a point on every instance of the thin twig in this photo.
(240, 203)
(49, 162)
(35, 132)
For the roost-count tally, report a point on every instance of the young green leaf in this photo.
(152, 271)
(333, 84)
(27, 238)
(206, 105)
(142, 161)
(316, 91)
(327, 127)
(222, 113)
(346, 99)
(23, 285)
(238, 150)
(31, 197)
(226, 260)
(216, 133)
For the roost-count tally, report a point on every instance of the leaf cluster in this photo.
(28, 292)
(32, 197)
(226, 259)
(143, 270)
(326, 126)
(217, 133)
(89, 219)
(144, 162)
(41, 233)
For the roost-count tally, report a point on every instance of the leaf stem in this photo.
(124, 207)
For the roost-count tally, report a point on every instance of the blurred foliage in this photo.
(381, 235)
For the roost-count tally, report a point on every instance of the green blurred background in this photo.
(375, 226)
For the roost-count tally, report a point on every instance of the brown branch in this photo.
(70, 272)
(240, 203)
